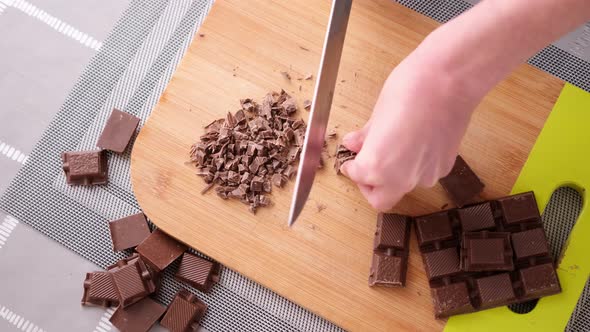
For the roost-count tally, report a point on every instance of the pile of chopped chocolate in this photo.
(247, 152)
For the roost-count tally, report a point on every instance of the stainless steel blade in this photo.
(320, 107)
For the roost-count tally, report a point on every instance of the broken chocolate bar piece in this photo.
(198, 272)
(159, 250)
(99, 290)
(118, 131)
(391, 250)
(184, 313)
(128, 232)
(504, 255)
(85, 167)
(452, 299)
(139, 317)
(132, 279)
(461, 184)
(486, 251)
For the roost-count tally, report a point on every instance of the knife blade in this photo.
(320, 106)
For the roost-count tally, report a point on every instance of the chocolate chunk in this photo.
(118, 131)
(99, 290)
(391, 251)
(279, 180)
(139, 317)
(128, 232)
(461, 184)
(198, 272)
(539, 280)
(510, 238)
(184, 313)
(530, 243)
(159, 250)
(495, 290)
(132, 280)
(433, 227)
(519, 208)
(451, 300)
(476, 218)
(342, 155)
(441, 263)
(486, 251)
(85, 167)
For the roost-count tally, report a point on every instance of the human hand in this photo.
(413, 135)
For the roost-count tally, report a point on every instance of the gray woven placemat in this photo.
(130, 72)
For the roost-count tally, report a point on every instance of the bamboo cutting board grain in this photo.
(322, 263)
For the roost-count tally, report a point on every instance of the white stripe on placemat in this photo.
(53, 22)
(6, 228)
(11, 152)
(104, 324)
(19, 322)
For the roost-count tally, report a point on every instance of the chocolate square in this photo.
(434, 227)
(159, 250)
(476, 218)
(128, 232)
(99, 290)
(486, 251)
(539, 280)
(184, 313)
(198, 272)
(118, 131)
(530, 243)
(519, 208)
(132, 280)
(388, 271)
(495, 290)
(451, 300)
(85, 167)
(441, 263)
(139, 317)
(461, 184)
(392, 231)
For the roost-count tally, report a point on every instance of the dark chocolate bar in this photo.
(159, 250)
(184, 313)
(461, 184)
(118, 131)
(128, 232)
(390, 251)
(486, 255)
(198, 272)
(139, 317)
(85, 167)
(99, 290)
(132, 279)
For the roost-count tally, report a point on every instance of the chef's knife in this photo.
(320, 106)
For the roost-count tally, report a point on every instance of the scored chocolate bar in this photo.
(139, 317)
(390, 251)
(99, 290)
(128, 232)
(486, 255)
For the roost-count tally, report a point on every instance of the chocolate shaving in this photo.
(248, 151)
(286, 75)
(307, 104)
(308, 77)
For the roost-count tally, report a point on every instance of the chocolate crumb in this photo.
(308, 77)
(201, 35)
(286, 75)
(343, 81)
(444, 206)
(332, 134)
(307, 104)
(321, 207)
(304, 48)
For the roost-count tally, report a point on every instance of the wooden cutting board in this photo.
(322, 263)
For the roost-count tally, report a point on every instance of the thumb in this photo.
(353, 171)
(354, 140)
